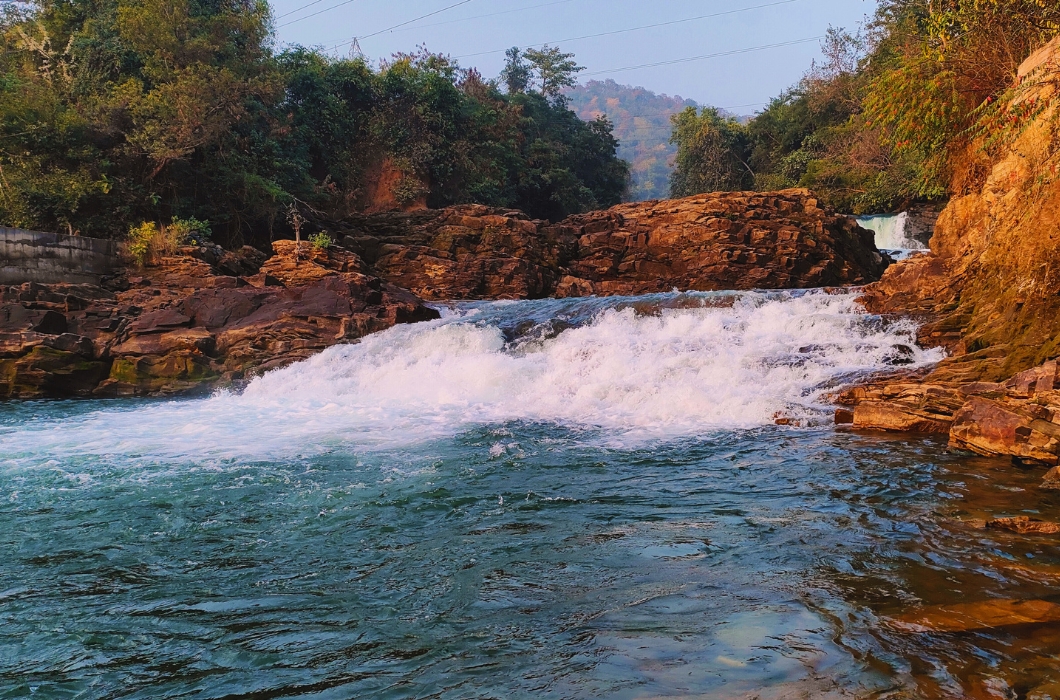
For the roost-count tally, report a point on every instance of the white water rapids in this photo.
(678, 365)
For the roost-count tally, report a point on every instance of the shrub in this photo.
(147, 242)
(321, 241)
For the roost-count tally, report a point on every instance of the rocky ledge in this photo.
(727, 240)
(200, 319)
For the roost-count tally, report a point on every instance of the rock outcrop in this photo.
(725, 240)
(207, 317)
(989, 292)
(1019, 418)
(189, 324)
(728, 240)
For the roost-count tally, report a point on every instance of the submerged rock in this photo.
(1024, 525)
(186, 325)
(984, 615)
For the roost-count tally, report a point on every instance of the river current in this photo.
(562, 498)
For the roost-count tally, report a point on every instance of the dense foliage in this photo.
(900, 114)
(116, 112)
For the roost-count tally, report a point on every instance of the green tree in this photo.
(711, 153)
(554, 69)
(517, 72)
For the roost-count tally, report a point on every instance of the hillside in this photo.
(642, 126)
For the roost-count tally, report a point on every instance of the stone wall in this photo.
(33, 256)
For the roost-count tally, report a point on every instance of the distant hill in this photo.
(642, 125)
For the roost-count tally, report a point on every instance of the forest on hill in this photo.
(908, 110)
(641, 121)
(117, 113)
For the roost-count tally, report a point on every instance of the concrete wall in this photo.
(32, 256)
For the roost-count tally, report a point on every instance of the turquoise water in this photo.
(540, 499)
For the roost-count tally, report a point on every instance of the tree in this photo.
(555, 70)
(517, 72)
(711, 153)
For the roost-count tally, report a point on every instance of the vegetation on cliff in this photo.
(899, 113)
(115, 112)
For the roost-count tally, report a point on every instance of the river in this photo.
(559, 498)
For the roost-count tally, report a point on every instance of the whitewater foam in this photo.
(891, 232)
(627, 374)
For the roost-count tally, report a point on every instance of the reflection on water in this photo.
(517, 561)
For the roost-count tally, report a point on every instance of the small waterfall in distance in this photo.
(891, 232)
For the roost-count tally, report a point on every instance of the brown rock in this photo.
(186, 326)
(1024, 525)
(999, 427)
(728, 240)
(1052, 479)
(985, 615)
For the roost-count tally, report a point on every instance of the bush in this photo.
(321, 241)
(147, 242)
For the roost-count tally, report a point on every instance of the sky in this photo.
(782, 35)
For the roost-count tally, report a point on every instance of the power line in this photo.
(493, 14)
(637, 29)
(702, 58)
(402, 24)
(319, 12)
(299, 9)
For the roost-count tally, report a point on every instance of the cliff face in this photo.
(990, 289)
(990, 293)
(728, 240)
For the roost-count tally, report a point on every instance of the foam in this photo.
(628, 377)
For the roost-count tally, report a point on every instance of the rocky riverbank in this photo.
(989, 292)
(206, 317)
(199, 319)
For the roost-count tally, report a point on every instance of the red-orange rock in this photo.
(726, 240)
(185, 325)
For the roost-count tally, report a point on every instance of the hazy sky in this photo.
(476, 32)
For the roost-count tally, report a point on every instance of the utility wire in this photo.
(299, 9)
(491, 14)
(637, 29)
(402, 24)
(702, 58)
(314, 14)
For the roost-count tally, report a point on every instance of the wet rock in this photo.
(1052, 479)
(1024, 525)
(1007, 426)
(729, 240)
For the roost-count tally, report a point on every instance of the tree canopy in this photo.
(115, 112)
(898, 114)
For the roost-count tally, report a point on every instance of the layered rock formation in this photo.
(200, 319)
(729, 240)
(989, 292)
